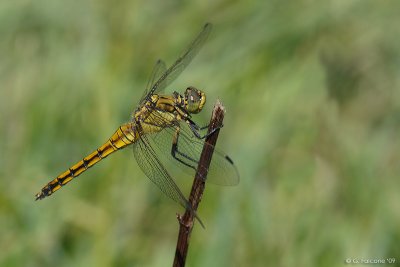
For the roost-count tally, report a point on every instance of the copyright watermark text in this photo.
(369, 261)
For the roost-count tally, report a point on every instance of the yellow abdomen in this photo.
(124, 136)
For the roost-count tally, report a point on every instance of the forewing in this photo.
(158, 70)
(181, 63)
(222, 170)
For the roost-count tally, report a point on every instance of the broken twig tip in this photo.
(218, 108)
(218, 104)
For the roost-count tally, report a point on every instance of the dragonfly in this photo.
(161, 130)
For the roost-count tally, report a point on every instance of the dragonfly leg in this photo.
(175, 152)
(196, 129)
(206, 127)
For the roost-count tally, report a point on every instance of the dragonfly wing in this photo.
(181, 63)
(156, 172)
(158, 70)
(222, 170)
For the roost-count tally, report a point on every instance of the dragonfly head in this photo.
(194, 100)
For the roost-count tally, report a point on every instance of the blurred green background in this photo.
(312, 95)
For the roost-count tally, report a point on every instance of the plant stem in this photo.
(187, 220)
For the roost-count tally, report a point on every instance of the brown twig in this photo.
(186, 221)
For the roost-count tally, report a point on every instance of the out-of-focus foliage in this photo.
(312, 95)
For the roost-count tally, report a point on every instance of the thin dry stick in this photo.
(186, 221)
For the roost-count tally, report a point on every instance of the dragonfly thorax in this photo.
(194, 100)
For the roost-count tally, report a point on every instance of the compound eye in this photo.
(193, 95)
(195, 100)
